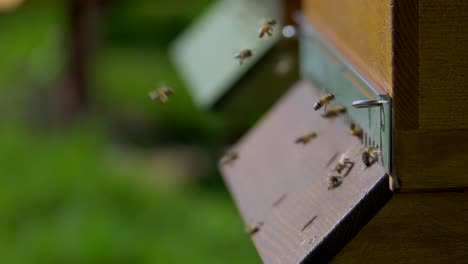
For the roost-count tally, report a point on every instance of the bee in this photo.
(344, 163)
(266, 28)
(304, 139)
(370, 155)
(335, 111)
(334, 181)
(355, 130)
(243, 55)
(229, 157)
(162, 94)
(324, 101)
(253, 229)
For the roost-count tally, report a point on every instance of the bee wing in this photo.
(163, 98)
(261, 32)
(153, 95)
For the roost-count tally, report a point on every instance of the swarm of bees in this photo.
(243, 55)
(324, 101)
(304, 139)
(267, 28)
(370, 155)
(161, 94)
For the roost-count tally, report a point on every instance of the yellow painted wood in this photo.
(361, 29)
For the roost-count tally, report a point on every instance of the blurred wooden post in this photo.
(83, 23)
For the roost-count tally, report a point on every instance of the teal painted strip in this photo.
(330, 71)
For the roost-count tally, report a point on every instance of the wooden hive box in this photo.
(203, 54)
(409, 53)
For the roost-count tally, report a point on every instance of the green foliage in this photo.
(63, 201)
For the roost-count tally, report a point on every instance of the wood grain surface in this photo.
(428, 62)
(361, 30)
(443, 64)
(405, 64)
(281, 187)
(413, 228)
(432, 159)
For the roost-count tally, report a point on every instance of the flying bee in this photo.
(162, 94)
(335, 111)
(355, 130)
(266, 28)
(304, 139)
(229, 157)
(370, 155)
(324, 101)
(243, 55)
(344, 163)
(334, 181)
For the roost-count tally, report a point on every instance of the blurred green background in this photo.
(120, 179)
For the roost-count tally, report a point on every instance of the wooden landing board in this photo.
(282, 186)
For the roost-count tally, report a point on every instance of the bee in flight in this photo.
(324, 101)
(335, 111)
(355, 130)
(266, 28)
(370, 155)
(304, 139)
(243, 55)
(162, 94)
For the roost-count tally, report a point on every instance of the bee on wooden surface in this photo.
(334, 181)
(243, 55)
(324, 101)
(162, 94)
(334, 111)
(370, 155)
(355, 130)
(253, 229)
(304, 139)
(344, 163)
(229, 157)
(266, 28)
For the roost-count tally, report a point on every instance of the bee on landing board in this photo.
(344, 163)
(304, 139)
(324, 101)
(355, 130)
(162, 94)
(266, 28)
(370, 155)
(243, 55)
(334, 181)
(229, 157)
(253, 229)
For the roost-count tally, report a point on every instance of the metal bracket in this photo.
(329, 70)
